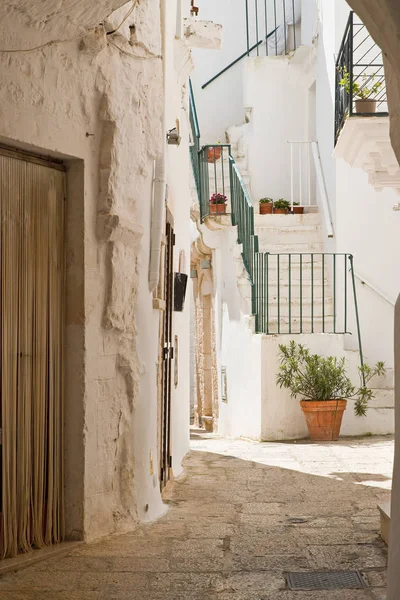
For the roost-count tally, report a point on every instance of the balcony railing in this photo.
(271, 26)
(360, 76)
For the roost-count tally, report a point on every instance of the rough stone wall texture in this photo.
(90, 99)
(206, 401)
(382, 18)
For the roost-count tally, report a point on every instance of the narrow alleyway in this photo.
(242, 515)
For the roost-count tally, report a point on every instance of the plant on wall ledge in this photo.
(324, 386)
(281, 206)
(364, 92)
(266, 206)
(218, 203)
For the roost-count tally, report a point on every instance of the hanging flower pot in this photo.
(214, 153)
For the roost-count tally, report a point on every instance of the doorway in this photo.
(168, 354)
(32, 298)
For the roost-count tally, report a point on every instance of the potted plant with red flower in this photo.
(218, 204)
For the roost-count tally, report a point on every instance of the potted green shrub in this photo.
(218, 204)
(297, 209)
(363, 92)
(323, 385)
(266, 206)
(281, 207)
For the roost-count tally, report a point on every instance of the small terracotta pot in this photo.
(280, 211)
(266, 208)
(324, 418)
(298, 210)
(214, 154)
(217, 208)
(366, 106)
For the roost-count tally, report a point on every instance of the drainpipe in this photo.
(159, 181)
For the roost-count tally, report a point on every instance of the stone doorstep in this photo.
(27, 559)
(384, 510)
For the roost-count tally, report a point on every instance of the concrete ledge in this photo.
(384, 510)
(30, 558)
(202, 34)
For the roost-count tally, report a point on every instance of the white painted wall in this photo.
(89, 102)
(282, 417)
(276, 118)
(368, 228)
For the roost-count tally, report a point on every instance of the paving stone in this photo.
(240, 517)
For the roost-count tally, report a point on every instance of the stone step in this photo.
(269, 236)
(300, 248)
(312, 218)
(307, 326)
(384, 511)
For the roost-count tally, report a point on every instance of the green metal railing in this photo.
(243, 218)
(214, 178)
(195, 134)
(291, 293)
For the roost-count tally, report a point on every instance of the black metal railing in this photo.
(360, 76)
(271, 26)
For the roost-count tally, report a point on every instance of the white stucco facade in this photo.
(74, 90)
(293, 99)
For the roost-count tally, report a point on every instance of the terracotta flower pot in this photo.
(214, 154)
(266, 208)
(298, 210)
(324, 418)
(366, 106)
(218, 208)
(280, 211)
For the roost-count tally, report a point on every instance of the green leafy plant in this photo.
(319, 378)
(296, 203)
(363, 91)
(266, 201)
(282, 204)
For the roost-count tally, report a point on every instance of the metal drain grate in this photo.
(325, 580)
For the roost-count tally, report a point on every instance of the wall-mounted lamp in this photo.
(173, 137)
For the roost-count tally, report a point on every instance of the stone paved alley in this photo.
(231, 531)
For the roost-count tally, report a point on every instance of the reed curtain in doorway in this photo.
(32, 194)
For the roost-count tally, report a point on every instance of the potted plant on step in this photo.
(363, 92)
(266, 206)
(297, 209)
(218, 204)
(281, 207)
(323, 385)
(214, 153)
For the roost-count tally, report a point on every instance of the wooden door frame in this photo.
(167, 353)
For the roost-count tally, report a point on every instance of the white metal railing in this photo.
(306, 175)
(301, 178)
(322, 189)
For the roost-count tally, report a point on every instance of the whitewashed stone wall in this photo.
(95, 101)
